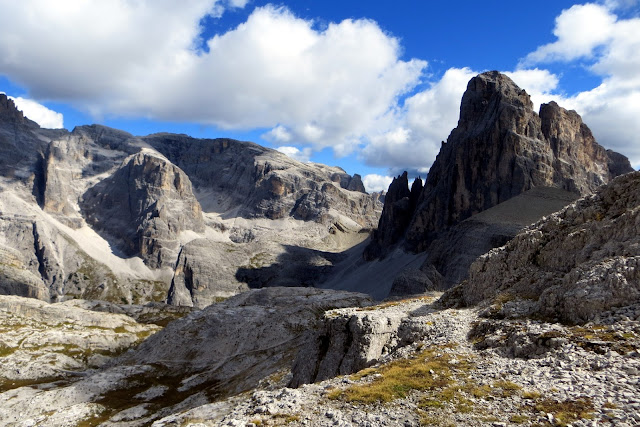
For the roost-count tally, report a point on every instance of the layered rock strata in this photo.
(145, 205)
(80, 210)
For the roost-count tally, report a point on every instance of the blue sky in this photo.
(370, 86)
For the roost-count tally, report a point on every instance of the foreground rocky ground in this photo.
(42, 343)
(461, 372)
(431, 366)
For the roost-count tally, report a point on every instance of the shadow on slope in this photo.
(296, 267)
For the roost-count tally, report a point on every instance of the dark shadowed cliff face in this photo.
(499, 149)
(15, 136)
(399, 205)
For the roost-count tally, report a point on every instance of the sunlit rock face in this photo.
(98, 213)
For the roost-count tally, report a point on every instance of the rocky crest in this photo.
(500, 149)
(9, 113)
(351, 339)
(571, 266)
(257, 182)
(399, 206)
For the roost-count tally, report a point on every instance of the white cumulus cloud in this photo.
(594, 35)
(296, 153)
(340, 86)
(579, 29)
(40, 114)
(327, 87)
(278, 134)
(429, 116)
(539, 84)
(238, 3)
(375, 183)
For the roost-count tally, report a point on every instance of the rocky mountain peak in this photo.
(10, 113)
(500, 148)
(399, 205)
(493, 97)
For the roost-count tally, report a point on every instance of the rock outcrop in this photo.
(244, 338)
(348, 340)
(38, 259)
(15, 136)
(257, 182)
(500, 149)
(571, 266)
(48, 342)
(197, 281)
(145, 205)
(399, 206)
(225, 349)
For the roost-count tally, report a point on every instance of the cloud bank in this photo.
(375, 183)
(296, 153)
(324, 87)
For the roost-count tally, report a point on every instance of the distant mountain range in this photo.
(98, 213)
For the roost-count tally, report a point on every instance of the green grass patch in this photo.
(531, 395)
(519, 419)
(506, 388)
(10, 384)
(567, 411)
(602, 338)
(287, 418)
(429, 370)
(7, 350)
(258, 260)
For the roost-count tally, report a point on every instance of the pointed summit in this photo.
(501, 148)
(9, 113)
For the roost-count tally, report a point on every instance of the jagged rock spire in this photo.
(500, 148)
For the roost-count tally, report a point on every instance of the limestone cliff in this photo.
(399, 206)
(258, 182)
(145, 205)
(100, 213)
